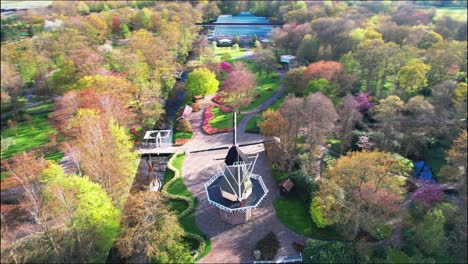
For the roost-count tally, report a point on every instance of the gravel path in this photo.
(233, 244)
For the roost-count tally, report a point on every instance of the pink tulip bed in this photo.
(208, 116)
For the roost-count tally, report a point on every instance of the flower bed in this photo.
(218, 98)
(226, 109)
(208, 116)
(181, 141)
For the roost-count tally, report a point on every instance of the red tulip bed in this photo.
(208, 116)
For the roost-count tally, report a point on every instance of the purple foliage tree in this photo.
(430, 193)
(363, 102)
(225, 66)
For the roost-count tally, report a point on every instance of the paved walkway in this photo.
(233, 244)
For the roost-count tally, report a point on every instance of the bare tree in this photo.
(348, 116)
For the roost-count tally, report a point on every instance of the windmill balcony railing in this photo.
(241, 209)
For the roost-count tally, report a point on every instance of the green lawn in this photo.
(264, 82)
(456, 13)
(252, 125)
(187, 222)
(223, 120)
(31, 135)
(178, 134)
(293, 212)
(219, 51)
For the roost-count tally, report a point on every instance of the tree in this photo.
(389, 112)
(348, 116)
(83, 8)
(308, 49)
(100, 26)
(363, 102)
(125, 31)
(333, 31)
(445, 59)
(201, 82)
(328, 70)
(312, 117)
(459, 98)
(150, 228)
(412, 77)
(90, 217)
(106, 153)
(116, 25)
(360, 190)
(317, 251)
(11, 81)
(429, 235)
(292, 81)
(27, 170)
(239, 85)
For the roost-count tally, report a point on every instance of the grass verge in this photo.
(267, 86)
(174, 185)
(32, 134)
(293, 212)
(223, 120)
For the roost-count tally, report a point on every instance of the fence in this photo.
(281, 259)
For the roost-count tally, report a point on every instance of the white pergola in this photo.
(160, 137)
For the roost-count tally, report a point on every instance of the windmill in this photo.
(236, 190)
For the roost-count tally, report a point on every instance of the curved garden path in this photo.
(233, 244)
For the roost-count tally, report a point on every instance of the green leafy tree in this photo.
(201, 82)
(412, 77)
(124, 30)
(83, 8)
(429, 235)
(90, 216)
(308, 49)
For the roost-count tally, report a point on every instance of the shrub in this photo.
(268, 246)
(258, 95)
(270, 89)
(184, 125)
(277, 173)
(226, 56)
(317, 251)
(429, 193)
(317, 215)
(195, 107)
(226, 109)
(381, 232)
(225, 66)
(218, 98)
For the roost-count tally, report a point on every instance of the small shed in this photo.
(286, 186)
(184, 112)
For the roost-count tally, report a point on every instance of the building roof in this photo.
(287, 184)
(235, 155)
(236, 179)
(185, 112)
